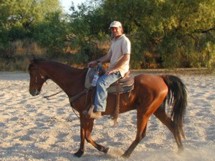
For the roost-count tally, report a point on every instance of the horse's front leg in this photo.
(88, 130)
(85, 133)
(80, 152)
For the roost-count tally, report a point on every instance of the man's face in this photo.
(116, 31)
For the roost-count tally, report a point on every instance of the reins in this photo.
(71, 99)
(47, 97)
(74, 98)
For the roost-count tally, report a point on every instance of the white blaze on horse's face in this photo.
(36, 81)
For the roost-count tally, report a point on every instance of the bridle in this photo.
(45, 79)
(36, 77)
(72, 99)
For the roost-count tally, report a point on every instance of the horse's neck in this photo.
(69, 79)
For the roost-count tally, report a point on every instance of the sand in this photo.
(37, 129)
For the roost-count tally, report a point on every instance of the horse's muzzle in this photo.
(34, 92)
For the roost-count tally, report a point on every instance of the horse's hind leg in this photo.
(162, 116)
(141, 132)
(134, 144)
(144, 111)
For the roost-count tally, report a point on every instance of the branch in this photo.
(204, 31)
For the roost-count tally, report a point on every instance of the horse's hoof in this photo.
(103, 149)
(180, 150)
(79, 153)
(106, 150)
(125, 156)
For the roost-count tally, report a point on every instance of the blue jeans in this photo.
(101, 90)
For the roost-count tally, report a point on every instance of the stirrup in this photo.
(86, 112)
(94, 115)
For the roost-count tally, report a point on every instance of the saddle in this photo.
(123, 85)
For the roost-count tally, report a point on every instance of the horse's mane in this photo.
(66, 67)
(37, 60)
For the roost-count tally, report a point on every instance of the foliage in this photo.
(163, 33)
(51, 33)
(172, 29)
(18, 18)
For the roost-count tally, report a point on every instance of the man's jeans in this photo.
(101, 90)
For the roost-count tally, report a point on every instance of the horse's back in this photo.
(150, 81)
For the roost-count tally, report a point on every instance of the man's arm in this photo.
(105, 58)
(121, 61)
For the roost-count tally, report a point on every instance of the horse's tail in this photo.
(177, 97)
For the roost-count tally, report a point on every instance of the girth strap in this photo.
(74, 98)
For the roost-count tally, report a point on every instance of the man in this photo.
(119, 58)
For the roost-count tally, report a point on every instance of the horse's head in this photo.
(37, 77)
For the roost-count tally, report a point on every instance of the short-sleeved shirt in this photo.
(120, 46)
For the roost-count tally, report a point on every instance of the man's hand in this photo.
(111, 71)
(92, 63)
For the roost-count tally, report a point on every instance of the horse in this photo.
(150, 96)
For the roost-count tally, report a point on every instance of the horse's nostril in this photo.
(37, 92)
(34, 92)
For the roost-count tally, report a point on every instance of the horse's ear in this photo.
(31, 58)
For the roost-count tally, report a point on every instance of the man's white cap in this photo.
(115, 24)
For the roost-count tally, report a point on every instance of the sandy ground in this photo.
(33, 128)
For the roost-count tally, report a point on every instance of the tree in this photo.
(51, 33)
(18, 19)
(18, 16)
(173, 29)
(164, 33)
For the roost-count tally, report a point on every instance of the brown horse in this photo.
(150, 95)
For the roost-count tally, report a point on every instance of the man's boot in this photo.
(94, 115)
